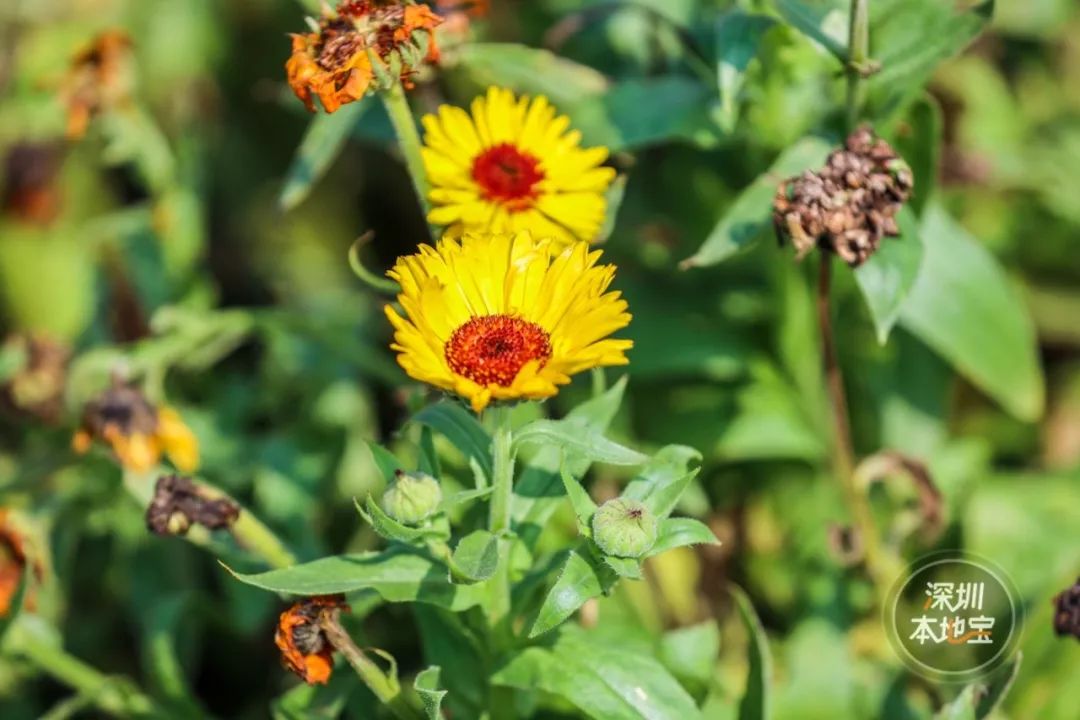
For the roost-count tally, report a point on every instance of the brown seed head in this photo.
(179, 503)
(1067, 611)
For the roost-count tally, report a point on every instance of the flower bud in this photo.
(412, 497)
(624, 528)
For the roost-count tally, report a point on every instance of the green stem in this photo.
(385, 688)
(500, 519)
(401, 117)
(260, 540)
(101, 689)
(858, 55)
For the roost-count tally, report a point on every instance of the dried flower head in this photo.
(849, 205)
(14, 561)
(100, 78)
(1067, 611)
(305, 648)
(30, 192)
(37, 387)
(179, 503)
(137, 431)
(362, 46)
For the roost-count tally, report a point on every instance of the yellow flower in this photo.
(514, 165)
(505, 316)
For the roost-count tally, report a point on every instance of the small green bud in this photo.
(624, 528)
(412, 497)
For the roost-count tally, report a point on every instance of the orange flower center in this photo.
(508, 175)
(491, 350)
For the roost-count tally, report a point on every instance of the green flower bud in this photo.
(624, 528)
(412, 497)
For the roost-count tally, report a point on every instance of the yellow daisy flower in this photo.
(505, 316)
(514, 165)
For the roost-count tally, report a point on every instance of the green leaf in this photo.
(578, 581)
(751, 212)
(385, 460)
(680, 532)
(601, 679)
(583, 505)
(629, 568)
(323, 140)
(639, 112)
(736, 41)
(755, 704)
(991, 694)
(539, 489)
(429, 458)
(530, 70)
(398, 574)
(920, 145)
(461, 428)
(475, 557)
(691, 652)
(908, 54)
(664, 479)
(966, 309)
(888, 276)
(823, 21)
(464, 497)
(570, 436)
(391, 529)
(426, 685)
(962, 708)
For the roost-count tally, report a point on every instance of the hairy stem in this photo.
(397, 107)
(499, 520)
(858, 55)
(383, 687)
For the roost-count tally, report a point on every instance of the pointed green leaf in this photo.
(583, 505)
(398, 574)
(461, 428)
(578, 582)
(391, 529)
(966, 309)
(664, 479)
(755, 703)
(427, 687)
(888, 276)
(680, 532)
(736, 40)
(385, 460)
(747, 217)
(574, 439)
(323, 140)
(475, 557)
(823, 21)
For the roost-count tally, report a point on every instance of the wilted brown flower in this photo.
(30, 193)
(37, 388)
(305, 649)
(847, 206)
(137, 431)
(1067, 611)
(361, 46)
(13, 564)
(101, 77)
(179, 503)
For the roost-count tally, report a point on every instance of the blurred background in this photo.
(194, 227)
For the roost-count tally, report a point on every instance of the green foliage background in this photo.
(213, 230)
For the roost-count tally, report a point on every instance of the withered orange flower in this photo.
(100, 77)
(476, 8)
(362, 46)
(13, 563)
(30, 192)
(305, 649)
(136, 430)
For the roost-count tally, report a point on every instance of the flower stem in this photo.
(383, 687)
(499, 520)
(100, 689)
(858, 55)
(260, 540)
(401, 117)
(843, 452)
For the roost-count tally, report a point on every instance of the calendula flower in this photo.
(101, 77)
(137, 431)
(513, 165)
(505, 316)
(361, 46)
(13, 564)
(305, 649)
